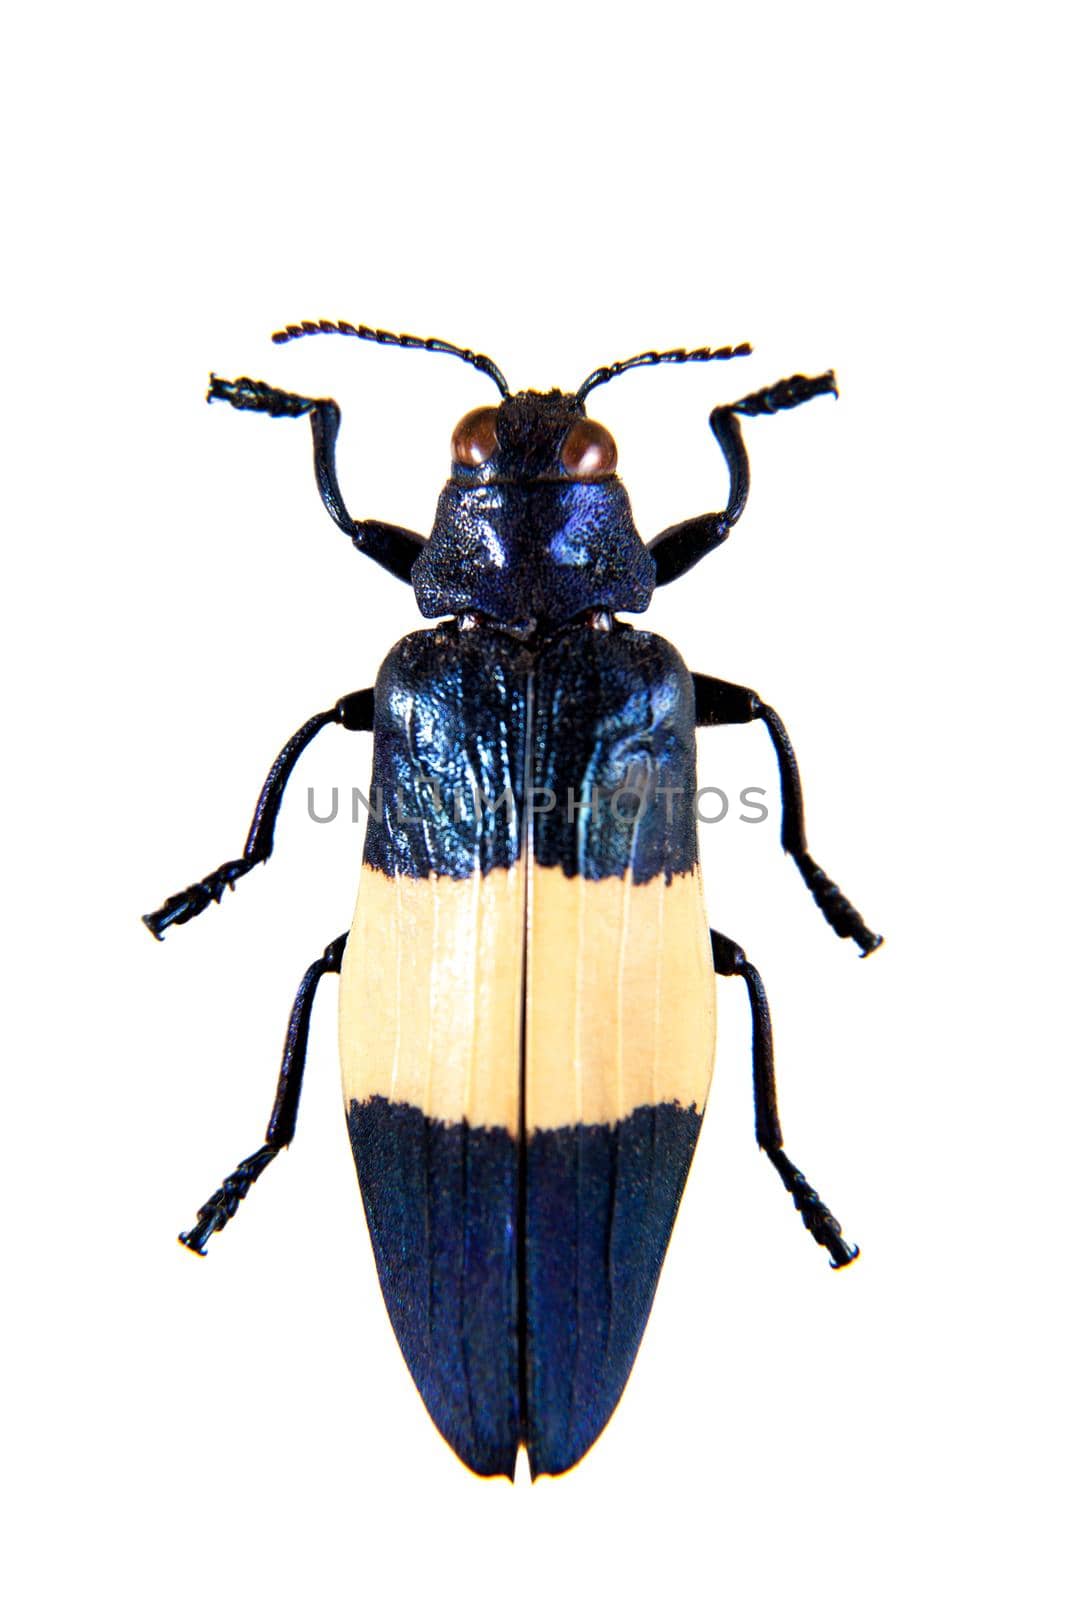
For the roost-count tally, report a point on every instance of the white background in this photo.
(872, 188)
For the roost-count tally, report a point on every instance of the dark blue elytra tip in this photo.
(444, 1209)
(442, 1206)
(600, 1206)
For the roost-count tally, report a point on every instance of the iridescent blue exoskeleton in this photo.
(527, 989)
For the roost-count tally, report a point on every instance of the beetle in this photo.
(527, 992)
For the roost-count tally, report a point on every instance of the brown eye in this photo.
(589, 451)
(475, 437)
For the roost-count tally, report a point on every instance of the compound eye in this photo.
(589, 451)
(474, 440)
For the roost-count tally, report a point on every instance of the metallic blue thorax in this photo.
(518, 540)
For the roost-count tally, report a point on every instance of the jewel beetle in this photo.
(527, 991)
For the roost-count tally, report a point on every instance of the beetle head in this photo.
(533, 528)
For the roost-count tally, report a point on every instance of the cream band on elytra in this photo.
(619, 1007)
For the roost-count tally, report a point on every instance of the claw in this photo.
(250, 394)
(214, 1216)
(839, 911)
(814, 1212)
(786, 394)
(189, 903)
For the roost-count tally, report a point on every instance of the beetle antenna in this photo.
(652, 358)
(409, 341)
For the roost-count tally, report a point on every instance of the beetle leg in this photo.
(355, 712)
(719, 704)
(731, 961)
(394, 548)
(680, 547)
(214, 1215)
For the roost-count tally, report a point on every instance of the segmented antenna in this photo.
(652, 358)
(409, 341)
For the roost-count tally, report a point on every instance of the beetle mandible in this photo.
(527, 990)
